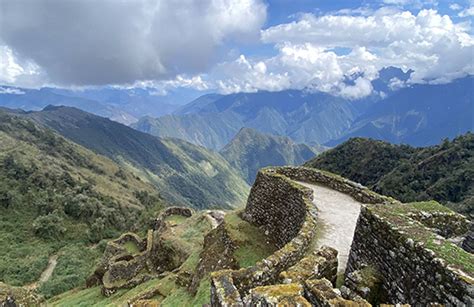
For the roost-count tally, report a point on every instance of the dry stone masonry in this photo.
(414, 263)
(131, 260)
(284, 211)
(401, 253)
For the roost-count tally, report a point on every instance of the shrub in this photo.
(49, 226)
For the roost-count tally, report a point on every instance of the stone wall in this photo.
(284, 211)
(338, 183)
(416, 265)
(160, 220)
(278, 206)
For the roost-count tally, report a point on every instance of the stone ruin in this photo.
(131, 260)
(401, 253)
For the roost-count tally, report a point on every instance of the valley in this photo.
(228, 153)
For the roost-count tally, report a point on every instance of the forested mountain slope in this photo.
(58, 199)
(443, 172)
(251, 150)
(184, 173)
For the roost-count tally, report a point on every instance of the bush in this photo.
(49, 226)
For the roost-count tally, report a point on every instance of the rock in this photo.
(321, 293)
(277, 295)
(468, 242)
(321, 264)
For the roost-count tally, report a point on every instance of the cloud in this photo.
(86, 42)
(468, 12)
(455, 7)
(432, 45)
(11, 91)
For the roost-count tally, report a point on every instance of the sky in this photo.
(230, 46)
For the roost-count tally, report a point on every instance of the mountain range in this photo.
(419, 115)
(183, 173)
(121, 105)
(212, 121)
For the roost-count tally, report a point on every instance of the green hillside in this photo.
(251, 150)
(58, 200)
(444, 172)
(185, 174)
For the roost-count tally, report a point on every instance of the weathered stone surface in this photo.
(395, 245)
(160, 220)
(295, 236)
(19, 296)
(223, 291)
(321, 293)
(468, 242)
(277, 295)
(367, 283)
(446, 224)
(409, 272)
(338, 183)
(277, 205)
(217, 254)
(320, 264)
(131, 260)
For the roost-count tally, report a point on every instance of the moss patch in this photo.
(252, 244)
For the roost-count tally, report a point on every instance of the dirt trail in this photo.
(46, 274)
(338, 212)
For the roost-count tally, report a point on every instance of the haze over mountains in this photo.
(121, 105)
(417, 115)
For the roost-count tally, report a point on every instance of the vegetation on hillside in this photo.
(443, 172)
(184, 173)
(251, 150)
(59, 199)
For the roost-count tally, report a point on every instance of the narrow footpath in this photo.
(46, 274)
(338, 213)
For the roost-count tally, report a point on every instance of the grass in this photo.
(252, 244)
(454, 255)
(176, 219)
(43, 174)
(131, 247)
(430, 206)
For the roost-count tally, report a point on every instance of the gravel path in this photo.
(338, 212)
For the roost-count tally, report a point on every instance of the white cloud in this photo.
(86, 42)
(11, 91)
(468, 12)
(14, 70)
(432, 45)
(455, 7)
